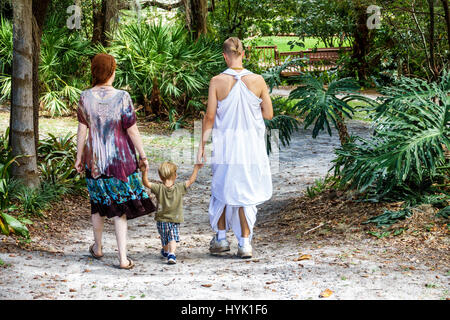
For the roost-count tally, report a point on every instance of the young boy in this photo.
(170, 199)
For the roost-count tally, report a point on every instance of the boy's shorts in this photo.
(168, 231)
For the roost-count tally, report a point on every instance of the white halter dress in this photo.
(240, 165)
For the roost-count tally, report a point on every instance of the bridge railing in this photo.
(319, 59)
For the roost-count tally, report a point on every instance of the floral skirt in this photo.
(111, 197)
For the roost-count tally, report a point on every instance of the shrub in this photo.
(6, 51)
(163, 67)
(6, 160)
(282, 121)
(325, 106)
(56, 162)
(64, 67)
(406, 157)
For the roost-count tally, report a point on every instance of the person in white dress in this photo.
(238, 103)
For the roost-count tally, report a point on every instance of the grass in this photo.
(283, 46)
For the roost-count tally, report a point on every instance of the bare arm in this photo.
(266, 104)
(208, 120)
(133, 133)
(193, 175)
(81, 140)
(145, 181)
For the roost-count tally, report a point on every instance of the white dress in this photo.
(240, 165)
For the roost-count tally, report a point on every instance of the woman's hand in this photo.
(143, 164)
(79, 166)
(201, 156)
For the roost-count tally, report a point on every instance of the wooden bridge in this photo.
(319, 59)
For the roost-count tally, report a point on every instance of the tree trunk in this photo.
(342, 129)
(447, 22)
(361, 44)
(434, 69)
(39, 12)
(155, 99)
(196, 13)
(21, 120)
(102, 17)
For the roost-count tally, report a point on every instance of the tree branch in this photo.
(162, 5)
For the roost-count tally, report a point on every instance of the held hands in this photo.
(143, 164)
(201, 156)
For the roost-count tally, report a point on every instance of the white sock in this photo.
(221, 235)
(244, 241)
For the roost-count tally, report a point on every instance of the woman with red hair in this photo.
(108, 156)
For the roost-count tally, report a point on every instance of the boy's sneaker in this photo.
(171, 258)
(164, 254)
(216, 246)
(245, 252)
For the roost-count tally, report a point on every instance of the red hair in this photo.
(102, 68)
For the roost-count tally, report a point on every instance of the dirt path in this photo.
(350, 270)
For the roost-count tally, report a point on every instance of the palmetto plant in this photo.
(6, 51)
(329, 106)
(285, 123)
(163, 66)
(63, 68)
(408, 154)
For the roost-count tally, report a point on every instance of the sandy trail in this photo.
(351, 271)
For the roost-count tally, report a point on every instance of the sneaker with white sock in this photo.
(218, 246)
(171, 258)
(245, 251)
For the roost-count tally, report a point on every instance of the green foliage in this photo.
(331, 21)
(322, 105)
(32, 201)
(6, 51)
(389, 217)
(57, 157)
(64, 67)
(9, 224)
(164, 63)
(243, 18)
(273, 75)
(6, 160)
(320, 185)
(406, 155)
(285, 124)
(444, 213)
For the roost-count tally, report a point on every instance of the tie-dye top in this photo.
(108, 113)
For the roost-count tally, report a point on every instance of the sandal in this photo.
(129, 266)
(91, 251)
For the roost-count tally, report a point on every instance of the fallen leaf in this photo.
(207, 285)
(326, 293)
(303, 257)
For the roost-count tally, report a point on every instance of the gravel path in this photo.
(351, 271)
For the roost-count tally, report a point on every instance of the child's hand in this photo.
(198, 165)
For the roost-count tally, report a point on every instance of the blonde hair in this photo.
(233, 46)
(167, 170)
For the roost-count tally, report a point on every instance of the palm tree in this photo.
(21, 121)
(324, 105)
